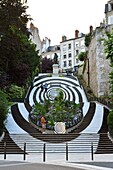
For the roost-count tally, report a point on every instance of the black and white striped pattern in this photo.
(94, 113)
(71, 88)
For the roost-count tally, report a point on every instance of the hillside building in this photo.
(109, 13)
(70, 49)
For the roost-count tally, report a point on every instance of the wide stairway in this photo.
(92, 130)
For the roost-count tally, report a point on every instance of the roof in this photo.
(83, 35)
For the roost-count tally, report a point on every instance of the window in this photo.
(77, 52)
(69, 55)
(64, 63)
(70, 63)
(110, 7)
(69, 46)
(64, 56)
(110, 20)
(64, 47)
(76, 45)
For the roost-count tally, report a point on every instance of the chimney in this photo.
(76, 33)
(64, 38)
(91, 29)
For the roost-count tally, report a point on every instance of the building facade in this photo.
(98, 67)
(44, 47)
(50, 52)
(70, 49)
(109, 13)
(35, 38)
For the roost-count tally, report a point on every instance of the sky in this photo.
(55, 18)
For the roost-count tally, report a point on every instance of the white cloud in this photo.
(57, 17)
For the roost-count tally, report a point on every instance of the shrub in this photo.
(82, 56)
(15, 92)
(110, 120)
(3, 110)
(88, 38)
(58, 110)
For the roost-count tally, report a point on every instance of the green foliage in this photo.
(36, 70)
(108, 43)
(39, 109)
(51, 123)
(18, 55)
(46, 65)
(110, 120)
(88, 38)
(59, 110)
(3, 109)
(82, 56)
(15, 92)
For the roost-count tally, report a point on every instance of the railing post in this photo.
(4, 150)
(66, 151)
(92, 151)
(24, 151)
(44, 149)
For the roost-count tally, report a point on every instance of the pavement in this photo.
(56, 161)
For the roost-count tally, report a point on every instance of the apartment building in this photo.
(109, 13)
(67, 51)
(70, 49)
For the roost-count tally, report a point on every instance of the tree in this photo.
(46, 65)
(13, 13)
(3, 110)
(82, 56)
(18, 56)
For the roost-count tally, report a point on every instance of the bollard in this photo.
(44, 149)
(92, 151)
(4, 150)
(24, 151)
(66, 151)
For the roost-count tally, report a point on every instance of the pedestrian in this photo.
(43, 122)
(45, 86)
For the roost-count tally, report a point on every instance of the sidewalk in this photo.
(76, 161)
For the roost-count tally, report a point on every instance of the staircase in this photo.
(76, 139)
(105, 145)
(11, 146)
(81, 145)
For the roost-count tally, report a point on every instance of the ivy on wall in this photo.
(108, 43)
(88, 38)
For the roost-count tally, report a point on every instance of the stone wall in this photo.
(91, 68)
(103, 68)
(98, 65)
